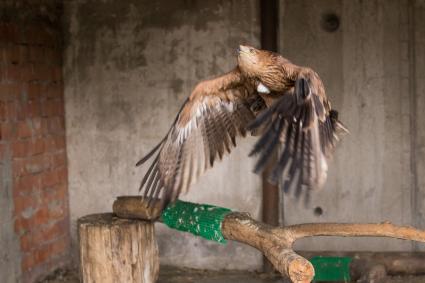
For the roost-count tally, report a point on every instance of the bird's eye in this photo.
(251, 50)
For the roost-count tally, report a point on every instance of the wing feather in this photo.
(300, 123)
(306, 130)
(205, 129)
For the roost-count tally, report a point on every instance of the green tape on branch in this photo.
(199, 219)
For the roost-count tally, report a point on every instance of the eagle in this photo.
(266, 95)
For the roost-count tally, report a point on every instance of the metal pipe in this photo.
(270, 192)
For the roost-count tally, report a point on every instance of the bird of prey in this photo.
(266, 95)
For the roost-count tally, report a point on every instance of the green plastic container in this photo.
(331, 269)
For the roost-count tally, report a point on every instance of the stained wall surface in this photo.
(372, 67)
(129, 66)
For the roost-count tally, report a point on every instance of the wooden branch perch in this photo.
(276, 242)
(275, 246)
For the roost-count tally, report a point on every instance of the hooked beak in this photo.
(242, 49)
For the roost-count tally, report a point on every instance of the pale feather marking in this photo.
(261, 88)
(200, 110)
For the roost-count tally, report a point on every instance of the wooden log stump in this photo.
(117, 250)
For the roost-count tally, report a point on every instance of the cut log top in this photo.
(109, 219)
(136, 207)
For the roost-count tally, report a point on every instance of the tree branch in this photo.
(385, 229)
(242, 228)
(276, 242)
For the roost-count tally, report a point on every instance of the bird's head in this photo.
(256, 63)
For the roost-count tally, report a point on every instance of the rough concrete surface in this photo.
(129, 65)
(417, 86)
(10, 259)
(367, 72)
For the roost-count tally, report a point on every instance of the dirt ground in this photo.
(185, 275)
(180, 275)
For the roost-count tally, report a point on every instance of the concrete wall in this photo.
(129, 66)
(417, 86)
(10, 258)
(372, 67)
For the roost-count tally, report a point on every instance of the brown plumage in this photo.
(265, 94)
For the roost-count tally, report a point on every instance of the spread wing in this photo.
(305, 129)
(205, 129)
